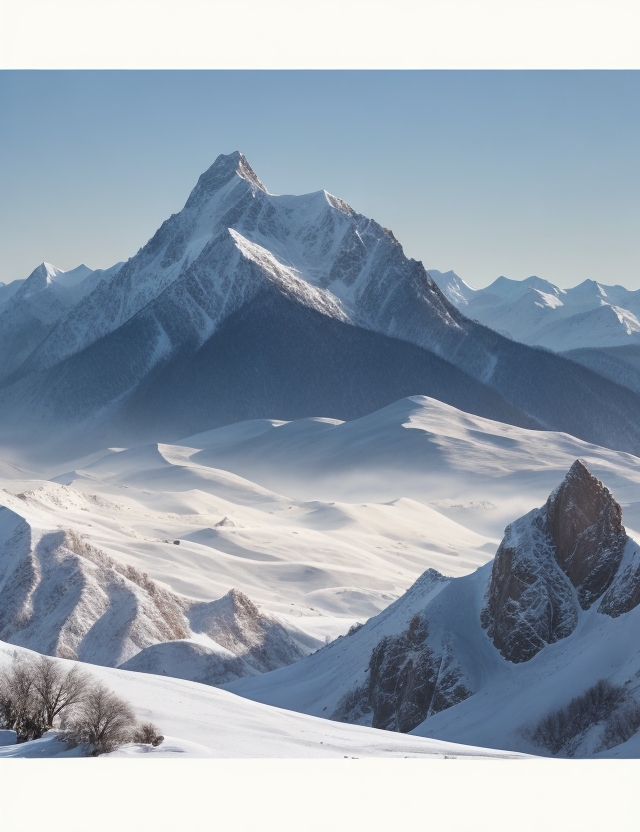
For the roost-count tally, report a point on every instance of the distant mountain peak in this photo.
(39, 279)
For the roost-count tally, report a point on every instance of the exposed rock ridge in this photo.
(238, 624)
(61, 596)
(585, 524)
(555, 561)
(530, 602)
(409, 680)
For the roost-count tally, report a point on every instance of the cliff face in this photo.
(585, 525)
(530, 601)
(409, 680)
(555, 561)
(411, 677)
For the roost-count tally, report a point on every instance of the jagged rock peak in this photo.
(553, 559)
(585, 524)
(222, 171)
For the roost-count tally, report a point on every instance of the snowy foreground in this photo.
(201, 721)
(320, 523)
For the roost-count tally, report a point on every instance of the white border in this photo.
(319, 34)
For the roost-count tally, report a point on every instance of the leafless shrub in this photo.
(621, 726)
(36, 693)
(101, 720)
(148, 734)
(558, 729)
(58, 688)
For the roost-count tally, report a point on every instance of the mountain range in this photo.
(272, 453)
(536, 312)
(593, 324)
(246, 305)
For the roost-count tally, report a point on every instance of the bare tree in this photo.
(101, 720)
(58, 689)
(34, 692)
(19, 703)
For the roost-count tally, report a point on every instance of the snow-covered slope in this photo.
(242, 297)
(477, 472)
(63, 596)
(199, 721)
(488, 657)
(534, 311)
(7, 290)
(30, 308)
(369, 506)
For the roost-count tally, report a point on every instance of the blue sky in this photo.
(486, 173)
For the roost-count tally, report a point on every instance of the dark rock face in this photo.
(531, 603)
(409, 680)
(623, 594)
(585, 524)
(553, 559)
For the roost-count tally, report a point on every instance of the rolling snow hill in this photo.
(199, 721)
(300, 530)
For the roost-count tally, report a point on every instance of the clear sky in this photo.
(483, 172)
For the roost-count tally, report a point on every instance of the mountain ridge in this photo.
(234, 248)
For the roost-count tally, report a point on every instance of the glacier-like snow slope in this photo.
(536, 312)
(250, 305)
(481, 695)
(199, 721)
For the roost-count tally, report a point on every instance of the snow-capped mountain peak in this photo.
(224, 170)
(40, 278)
(453, 287)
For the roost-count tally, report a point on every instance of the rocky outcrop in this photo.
(585, 525)
(530, 602)
(409, 681)
(624, 593)
(554, 561)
